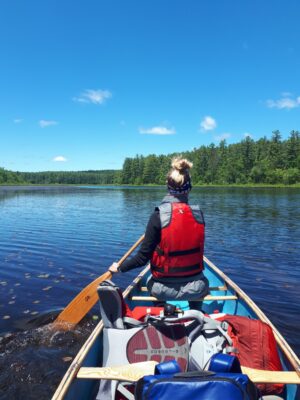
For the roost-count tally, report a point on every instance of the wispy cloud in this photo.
(59, 159)
(224, 136)
(208, 124)
(157, 130)
(287, 101)
(247, 134)
(18, 120)
(97, 96)
(44, 123)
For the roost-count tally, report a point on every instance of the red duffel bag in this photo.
(256, 346)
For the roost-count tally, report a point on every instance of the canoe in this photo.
(225, 297)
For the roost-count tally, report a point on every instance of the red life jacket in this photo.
(180, 251)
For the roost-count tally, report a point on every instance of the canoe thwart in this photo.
(260, 376)
(206, 298)
(133, 372)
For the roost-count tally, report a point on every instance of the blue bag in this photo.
(202, 385)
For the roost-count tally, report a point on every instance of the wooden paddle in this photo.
(84, 301)
(133, 372)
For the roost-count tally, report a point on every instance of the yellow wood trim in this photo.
(206, 298)
(130, 372)
(260, 376)
(133, 372)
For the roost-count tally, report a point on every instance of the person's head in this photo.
(178, 178)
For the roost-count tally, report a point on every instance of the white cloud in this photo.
(59, 159)
(247, 134)
(45, 123)
(18, 120)
(157, 130)
(285, 102)
(208, 123)
(93, 96)
(224, 136)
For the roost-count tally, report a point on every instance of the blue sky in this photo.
(84, 84)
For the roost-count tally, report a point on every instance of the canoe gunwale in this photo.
(282, 343)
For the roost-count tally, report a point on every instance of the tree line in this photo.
(271, 161)
(105, 177)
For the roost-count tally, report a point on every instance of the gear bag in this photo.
(255, 347)
(206, 385)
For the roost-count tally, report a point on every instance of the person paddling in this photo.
(174, 243)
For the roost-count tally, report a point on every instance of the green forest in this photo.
(265, 161)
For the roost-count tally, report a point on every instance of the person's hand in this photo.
(114, 268)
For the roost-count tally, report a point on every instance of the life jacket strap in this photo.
(174, 270)
(177, 253)
(184, 252)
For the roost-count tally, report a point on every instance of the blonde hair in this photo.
(179, 173)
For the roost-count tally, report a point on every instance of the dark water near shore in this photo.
(55, 241)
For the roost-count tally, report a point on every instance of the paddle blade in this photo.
(81, 304)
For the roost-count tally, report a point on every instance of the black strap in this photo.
(174, 270)
(177, 253)
(184, 252)
(193, 374)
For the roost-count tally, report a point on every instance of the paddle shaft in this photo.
(84, 301)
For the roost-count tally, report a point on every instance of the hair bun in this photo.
(181, 164)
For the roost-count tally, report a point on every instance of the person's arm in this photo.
(152, 239)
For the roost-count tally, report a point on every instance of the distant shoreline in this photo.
(79, 186)
(34, 187)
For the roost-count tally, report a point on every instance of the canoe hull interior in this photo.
(223, 298)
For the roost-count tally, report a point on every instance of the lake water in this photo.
(54, 241)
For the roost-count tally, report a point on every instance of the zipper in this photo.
(205, 379)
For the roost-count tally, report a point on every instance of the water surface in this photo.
(54, 241)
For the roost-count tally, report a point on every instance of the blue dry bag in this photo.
(204, 385)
